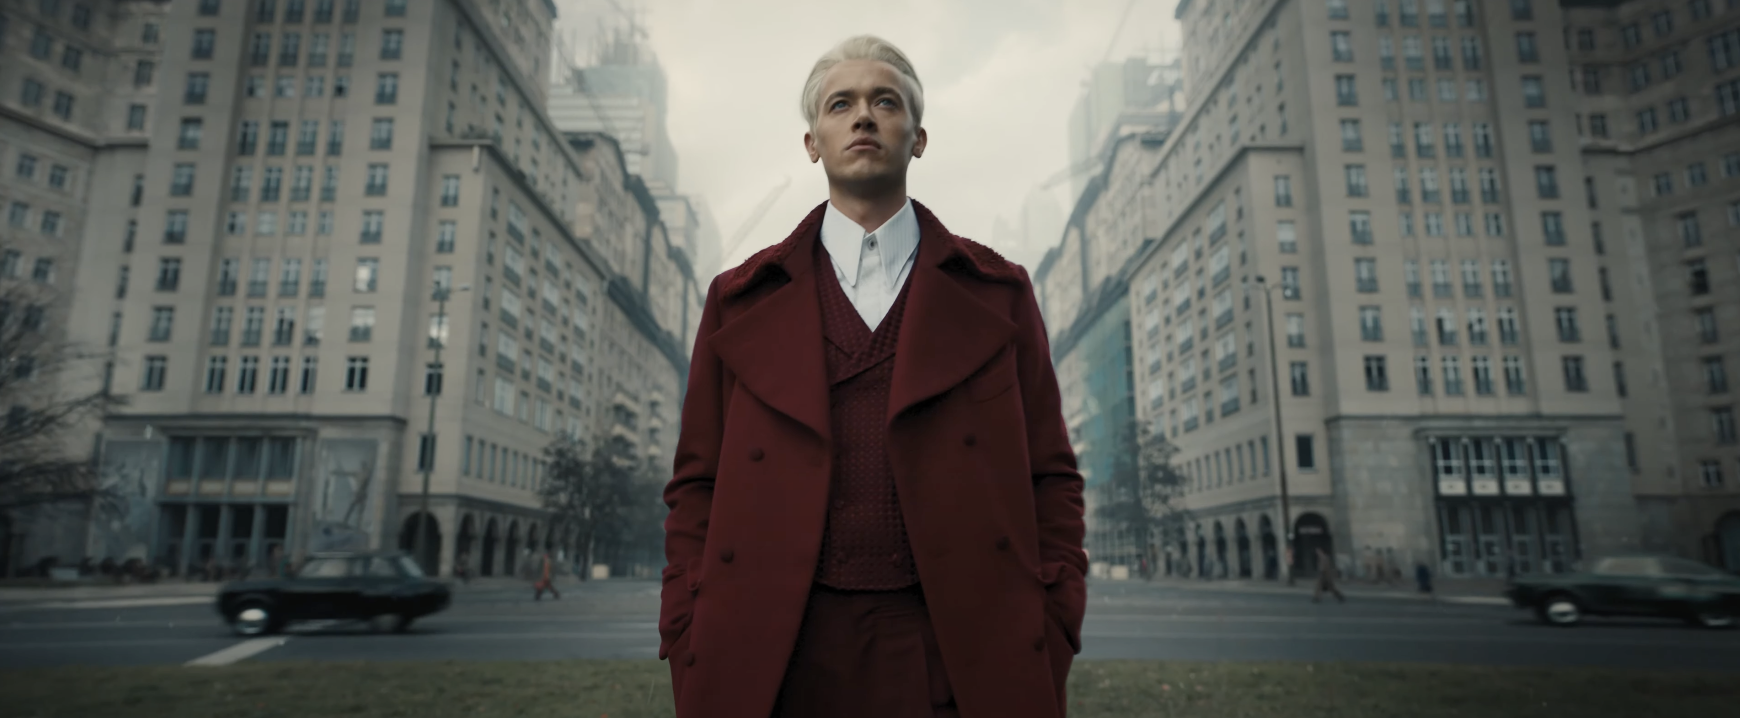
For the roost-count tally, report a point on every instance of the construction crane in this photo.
(754, 218)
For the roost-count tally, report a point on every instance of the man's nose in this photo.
(865, 119)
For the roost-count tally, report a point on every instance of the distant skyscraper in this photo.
(1117, 93)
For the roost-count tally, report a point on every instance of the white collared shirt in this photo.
(871, 266)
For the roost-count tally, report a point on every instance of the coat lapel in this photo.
(775, 347)
(947, 332)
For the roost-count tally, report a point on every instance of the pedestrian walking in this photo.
(462, 567)
(1423, 577)
(1326, 579)
(544, 583)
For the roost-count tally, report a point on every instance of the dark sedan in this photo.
(1650, 586)
(349, 586)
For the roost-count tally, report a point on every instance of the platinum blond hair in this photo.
(863, 47)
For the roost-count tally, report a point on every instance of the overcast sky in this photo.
(1000, 78)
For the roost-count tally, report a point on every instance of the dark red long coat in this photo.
(987, 480)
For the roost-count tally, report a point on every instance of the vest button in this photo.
(1003, 543)
(1038, 644)
(970, 440)
(755, 454)
(894, 559)
(689, 660)
(727, 555)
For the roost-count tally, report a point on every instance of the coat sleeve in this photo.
(1057, 485)
(690, 491)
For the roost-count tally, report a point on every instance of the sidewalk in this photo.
(1465, 591)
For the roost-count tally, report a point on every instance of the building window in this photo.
(247, 374)
(1565, 318)
(1575, 381)
(1452, 368)
(1283, 191)
(1715, 375)
(377, 180)
(168, 274)
(1710, 472)
(1513, 376)
(1722, 424)
(215, 369)
(362, 324)
(387, 88)
(1481, 368)
(181, 181)
(381, 134)
(450, 190)
(1356, 184)
(1305, 450)
(162, 323)
(1301, 380)
(1698, 277)
(1296, 331)
(368, 271)
(445, 237)
(1559, 272)
(1376, 374)
(151, 379)
(1365, 274)
(1346, 93)
(356, 373)
(371, 226)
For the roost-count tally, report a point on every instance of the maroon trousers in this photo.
(866, 654)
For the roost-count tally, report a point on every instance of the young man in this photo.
(875, 510)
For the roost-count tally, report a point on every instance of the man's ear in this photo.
(810, 147)
(918, 146)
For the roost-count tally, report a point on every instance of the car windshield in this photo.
(410, 567)
(323, 568)
(1627, 566)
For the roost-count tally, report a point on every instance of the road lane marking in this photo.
(117, 603)
(238, 652)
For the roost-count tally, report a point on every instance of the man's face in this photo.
(864, 136)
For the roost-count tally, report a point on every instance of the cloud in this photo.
(1000, 79)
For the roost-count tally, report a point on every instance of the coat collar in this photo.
(775, 346)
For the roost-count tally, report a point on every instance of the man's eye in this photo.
(838, 104)
(889, 101)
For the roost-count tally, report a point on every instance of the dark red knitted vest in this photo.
(864, 546)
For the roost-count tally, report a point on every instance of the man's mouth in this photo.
(863, 145)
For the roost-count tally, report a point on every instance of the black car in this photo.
(1635, 585)
(338, 586)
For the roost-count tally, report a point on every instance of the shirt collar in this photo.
(896, 241)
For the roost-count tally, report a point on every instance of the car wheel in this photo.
(254, 618)
(393, 622)
(1560, 609)
(1712, 618)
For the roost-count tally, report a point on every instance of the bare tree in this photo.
(605, 495)
(41, 410)
(1144, 493)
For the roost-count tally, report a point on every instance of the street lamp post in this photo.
(426, 451)
(1280, 438)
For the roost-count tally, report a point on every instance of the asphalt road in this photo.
(614, 620)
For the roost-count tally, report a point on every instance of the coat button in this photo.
(689, 660)
(755, 454)
(970, 440)
(894, 559)
(1003, 543)
(1038, 645)
(727, 555)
